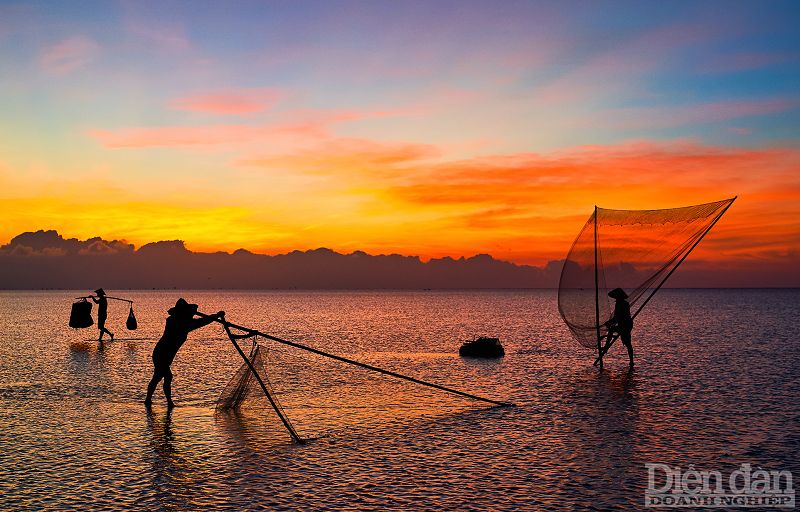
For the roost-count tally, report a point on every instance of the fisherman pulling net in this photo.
(633, 250)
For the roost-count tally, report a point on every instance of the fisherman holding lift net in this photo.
(621, 323)
(637, 250)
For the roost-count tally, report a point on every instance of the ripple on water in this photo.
(716, 384)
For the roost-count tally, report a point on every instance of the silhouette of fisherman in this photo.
(621, 322)
(180, 322)
(102, 312)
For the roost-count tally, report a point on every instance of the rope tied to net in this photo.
(252, 332)
(248, 334)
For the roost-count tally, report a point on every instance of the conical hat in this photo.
(183, 307)
(100, 291)
(618, 293)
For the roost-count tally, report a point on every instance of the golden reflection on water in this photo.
(706, 390)
(161, 427)
(84, 346)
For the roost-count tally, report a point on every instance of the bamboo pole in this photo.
(106, 296)
(356, 363)
(597, 293)
(285, 421)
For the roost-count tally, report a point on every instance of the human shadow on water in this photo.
(92, 347)
(87, 358)
(163, 438)
(606, 399)
(621, 385)
(77, 347)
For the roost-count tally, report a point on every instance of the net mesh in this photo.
(636, 251)
(249, 380)
(243, 383)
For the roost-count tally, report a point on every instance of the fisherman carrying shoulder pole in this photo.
(101, 299)
(102, 313)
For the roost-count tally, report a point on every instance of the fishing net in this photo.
(635, 250)
(322, 383)
(249, 380)
(243, 383)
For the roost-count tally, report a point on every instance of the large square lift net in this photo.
(636, 250)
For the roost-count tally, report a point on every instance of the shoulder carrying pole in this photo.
(107, 297)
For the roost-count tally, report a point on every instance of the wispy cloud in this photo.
(346, 114)
(745, 61)
(618, 65)
(349, 157)
(241, 100)
(162, 33)
(211, 137)
(70, 54)
(293, 128)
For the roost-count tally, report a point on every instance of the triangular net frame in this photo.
(249, 380)
(243, 384)
(636, 250)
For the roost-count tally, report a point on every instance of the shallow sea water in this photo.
(716, 384)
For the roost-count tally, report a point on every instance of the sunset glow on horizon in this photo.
(428, 129)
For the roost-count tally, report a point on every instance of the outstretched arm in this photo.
(205, 320)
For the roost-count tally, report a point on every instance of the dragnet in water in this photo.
(251, 378)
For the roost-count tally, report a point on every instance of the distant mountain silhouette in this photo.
(44, 259)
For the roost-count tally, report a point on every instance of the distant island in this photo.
(46, 260)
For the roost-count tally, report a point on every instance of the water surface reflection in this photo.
(708, 390)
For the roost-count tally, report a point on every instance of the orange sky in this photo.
(381, 198)
(497, 132)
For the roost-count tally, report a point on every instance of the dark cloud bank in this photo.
(44, 260)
